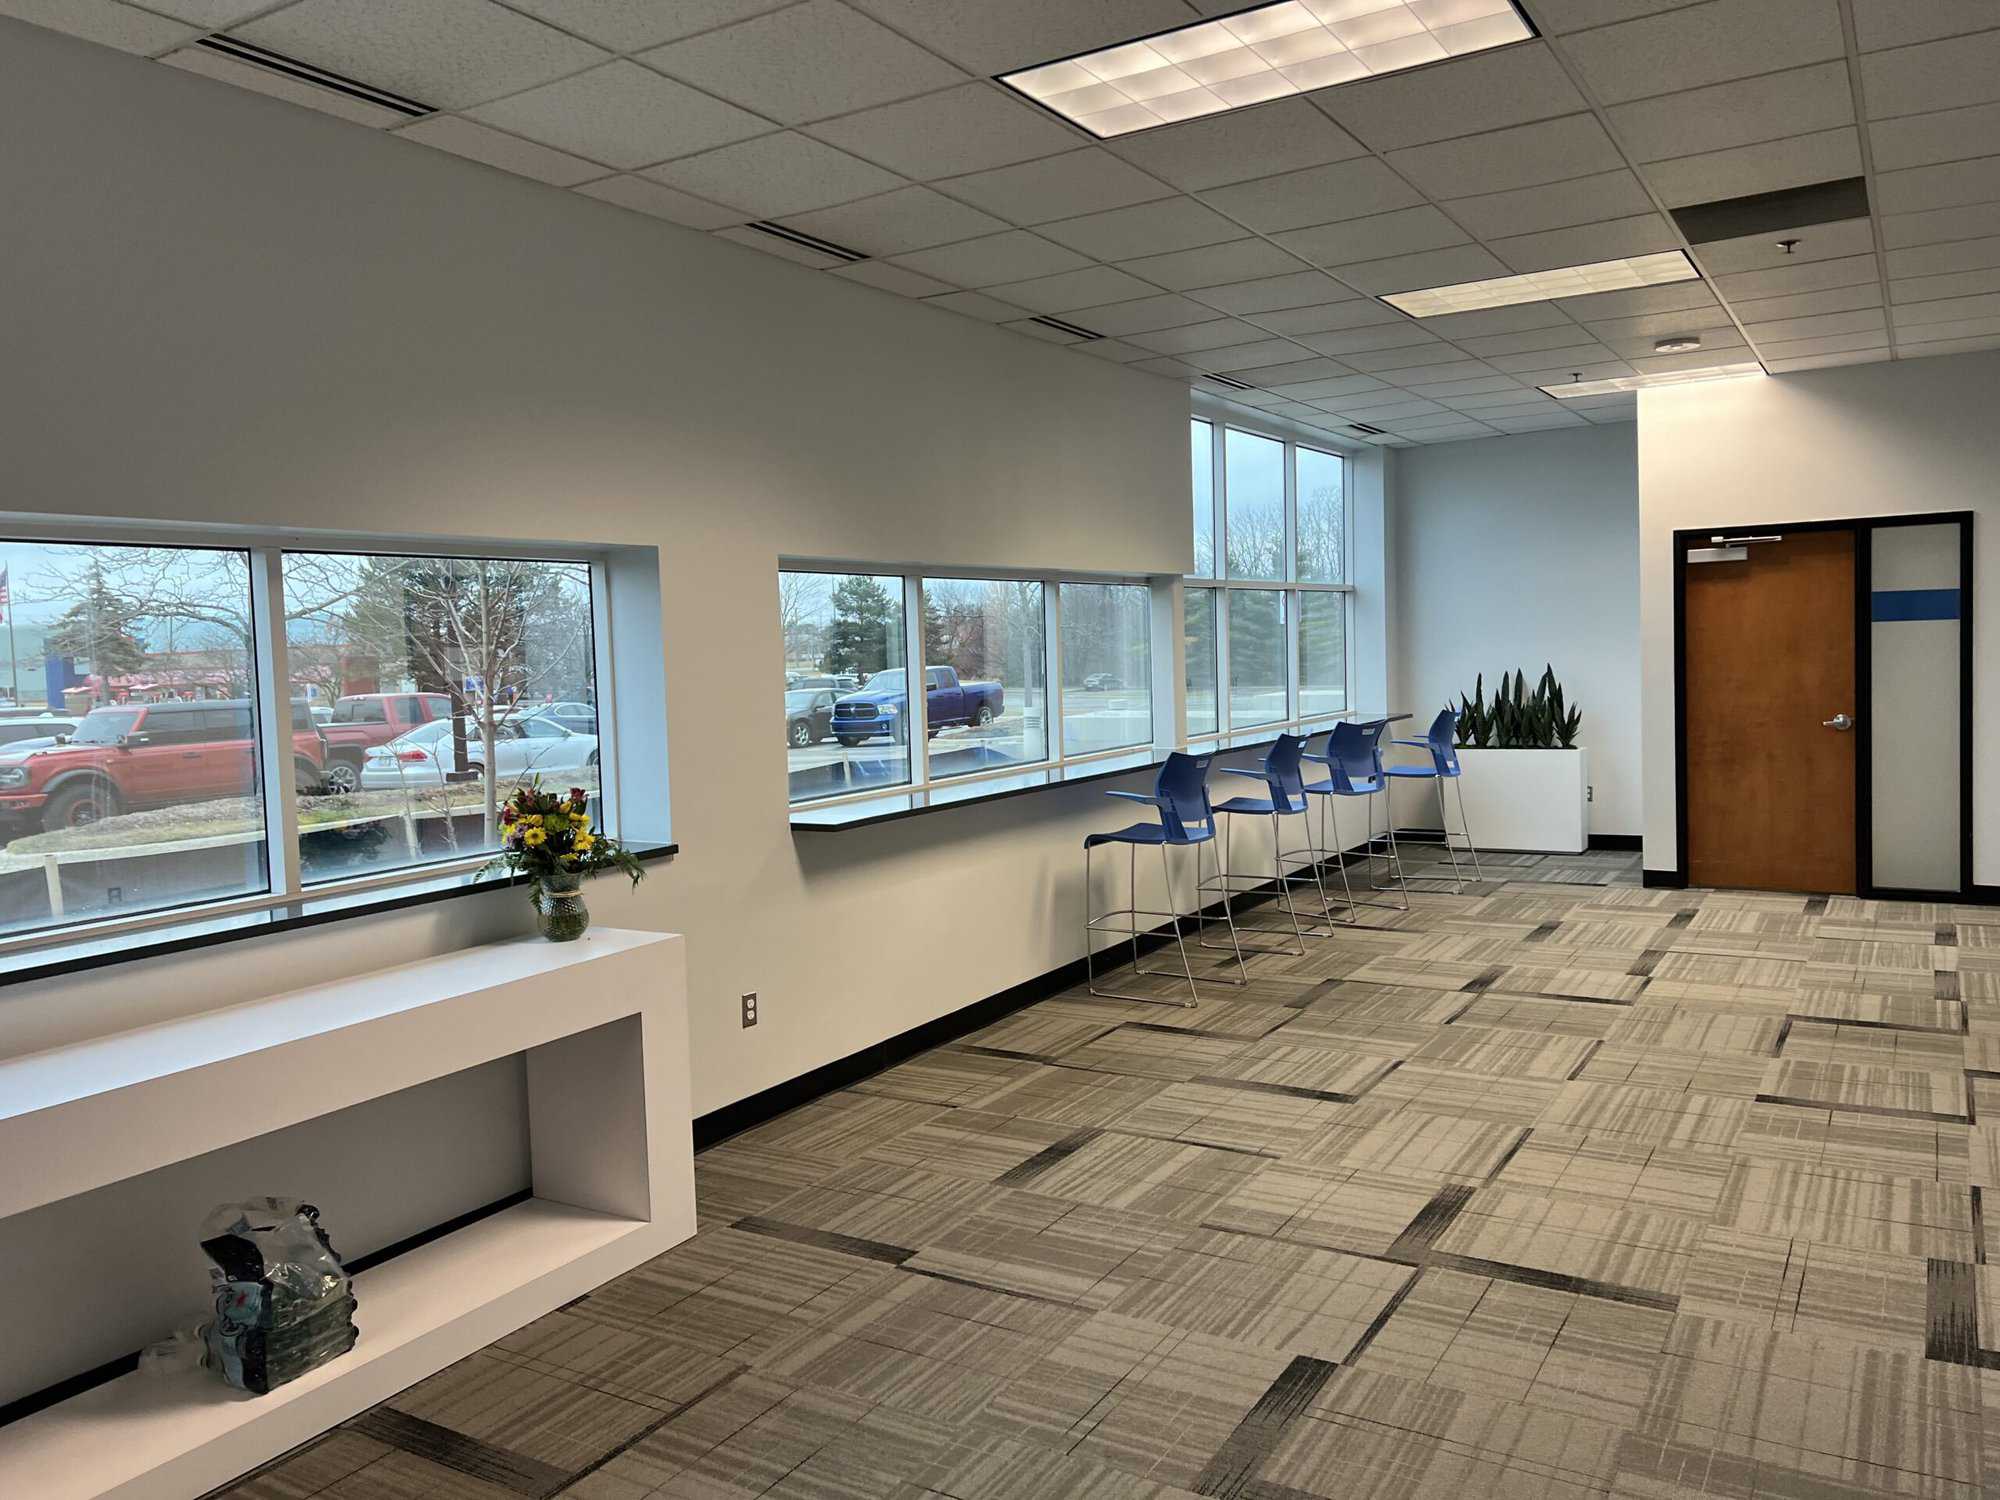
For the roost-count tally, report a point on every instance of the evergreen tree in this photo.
(99, 628)
(866, 633)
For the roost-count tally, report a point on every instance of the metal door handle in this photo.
(1839, 721)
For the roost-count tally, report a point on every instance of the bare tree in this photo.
(802, 599)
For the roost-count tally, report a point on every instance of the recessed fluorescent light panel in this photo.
(1542, 286)
(1266, 53)
(1646, 382)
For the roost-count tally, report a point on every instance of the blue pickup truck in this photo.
(878, 710)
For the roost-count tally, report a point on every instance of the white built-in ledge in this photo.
(603, 1025)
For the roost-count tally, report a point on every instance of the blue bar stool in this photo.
(1353, 758)
(1180, 794)
(1285, 797)
(1440, 742)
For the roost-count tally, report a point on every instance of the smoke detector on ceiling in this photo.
(1680, 343)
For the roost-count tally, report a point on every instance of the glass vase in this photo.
(560, 913)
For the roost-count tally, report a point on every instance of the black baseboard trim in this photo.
(1663, 880)
(1624, 843)
(125, 1364)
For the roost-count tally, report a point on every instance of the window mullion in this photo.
(1052, 693)
(276, 754)
(607, 709)
(916, 682)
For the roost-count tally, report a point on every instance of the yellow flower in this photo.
(584, 842)
(533, 820)
(534, 838)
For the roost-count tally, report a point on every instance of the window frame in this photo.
(921, 780)
(288, 897)
(1291, 585)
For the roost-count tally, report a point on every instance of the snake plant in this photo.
(1518, 719)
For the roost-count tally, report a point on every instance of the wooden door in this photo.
(1770, 657)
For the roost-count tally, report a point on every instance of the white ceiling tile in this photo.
(1519, 343)
(1042, 331)
(1585, 355)
(1557, 16)
(1549, 151)
(778, 174)
(226, 69)
(496, 148)
(1465, 96)
(1217, 333)
(1273, 293)
(621, 114)
(805, 63)
(976, 305)
(1316, 195)
(209, 15)
(1915, 350)
(1115, 350)
(1264, 355)
(1356, 312)
(1546, 423)
(1801, 276)
(656, 201)
(105, 22)
(1405, 357)
(1328, 393)
(1071, 289)
(1399, 409)
(1897, 23)
(1677, 297)
(1950, 255)
(1947, 135)
(1289, 372)
(1761, 252)
(1457, 392)
(1806, 304)
(1703, 44)
(1145, 315)
(1014, 256)
(1913, 315)
(1937, 75)
(1654, 325)
(1765, 168)
(1947, 185)
(906, 218)
(1502, 400)
(1516, 319)
(1344, 341)
(1972, 222)
(1405, 231)
(1833, 343)
(996, 38)
(630, 25)
(887, 278)
(1413, 272)
(1587, 244)
(1240, 260)
(446, 53)
(946, 134)
(1957, 284)
(1825, 361)
(1553, 205)
(1865, 320)
(1281, 136)
(1740, 113)
(1716, 345)
(1057, 187)
(1433, 371)
(1144, 229)
(771, 245)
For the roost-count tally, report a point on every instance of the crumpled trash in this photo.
(284, 1305)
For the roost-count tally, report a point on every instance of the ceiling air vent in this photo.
(1069, 328)
(1234, 385)
(291, 67)
(805, 241)
(1364, 427)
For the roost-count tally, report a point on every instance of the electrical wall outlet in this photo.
(1589, 793)
(750, 1008)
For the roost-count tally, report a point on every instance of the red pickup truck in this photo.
(363, 720)
(134, 755)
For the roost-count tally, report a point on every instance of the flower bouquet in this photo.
(548, 838)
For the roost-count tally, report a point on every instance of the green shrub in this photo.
(1517, 719)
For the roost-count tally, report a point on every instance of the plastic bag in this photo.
(284, 1305)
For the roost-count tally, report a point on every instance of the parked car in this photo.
(34, 734)
(523, 747)
(577, 718)
(1099, 682)
(839, 682)
(878, 710)
(363, 720)
(808, 716)
(128, 756)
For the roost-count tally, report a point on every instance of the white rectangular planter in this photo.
(1514, 799)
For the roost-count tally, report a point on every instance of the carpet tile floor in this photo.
(1552, 1186)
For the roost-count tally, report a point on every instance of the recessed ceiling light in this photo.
(1680, 343)
(1541, 286)
(1268, 52)
(1641, 382)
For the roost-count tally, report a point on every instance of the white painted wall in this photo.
(221, 309)
(1518, 552)
(1860, 440)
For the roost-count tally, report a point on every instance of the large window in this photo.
(1107, 661)
(1275, 513)
(155, 699)
(1004, 658)
(847, 720)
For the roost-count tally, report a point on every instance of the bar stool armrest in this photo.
(1146, 797)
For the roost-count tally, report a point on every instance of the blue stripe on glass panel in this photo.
(1914, 604)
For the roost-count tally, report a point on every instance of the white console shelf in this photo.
(603, 1025)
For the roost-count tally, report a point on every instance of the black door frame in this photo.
(1863, 528)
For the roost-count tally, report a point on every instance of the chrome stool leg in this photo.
(1094, 924)
(1466, 828)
